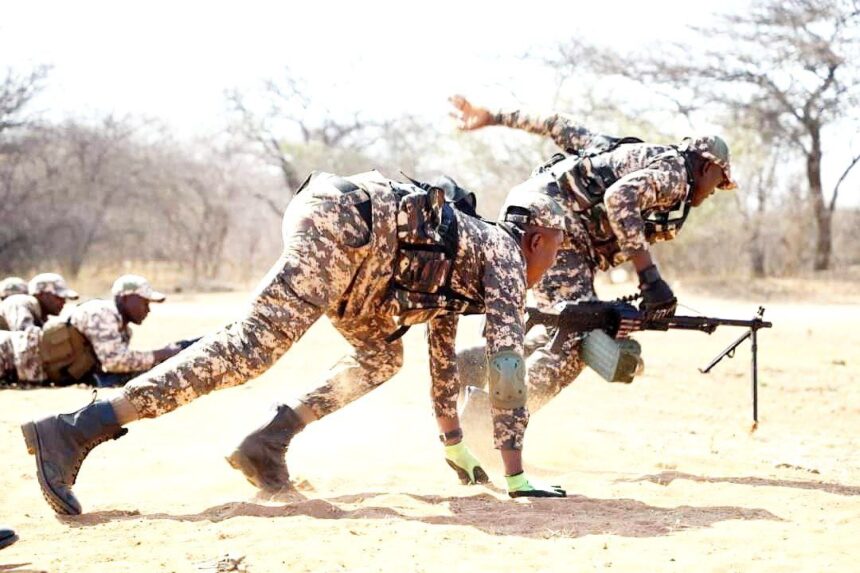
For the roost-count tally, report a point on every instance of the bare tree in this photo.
(16, 93)
(787, 65)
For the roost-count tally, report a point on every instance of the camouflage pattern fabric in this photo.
(102, 325)
(51, 283)
(12, 285)
(21, 312)
(7, 356)
(333, 263)
(650, 178)
(20, 352)
(490, 269)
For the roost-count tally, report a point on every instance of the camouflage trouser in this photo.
(325, 242)
(20, 352)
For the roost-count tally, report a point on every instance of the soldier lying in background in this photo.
(46, 296)
(90, 345)
(12, 285)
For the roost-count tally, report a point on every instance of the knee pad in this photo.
(507, 374)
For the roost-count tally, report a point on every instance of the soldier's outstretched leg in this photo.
(323, 237)
(261, 455)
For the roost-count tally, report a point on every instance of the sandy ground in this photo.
(663, 474)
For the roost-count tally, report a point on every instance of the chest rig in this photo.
(428, 238)
(585, 176)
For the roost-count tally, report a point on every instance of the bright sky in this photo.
(174, 60)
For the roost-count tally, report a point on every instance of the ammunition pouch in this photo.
(427, 247)
(65, 353)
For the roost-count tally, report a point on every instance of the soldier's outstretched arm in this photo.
(562, 128)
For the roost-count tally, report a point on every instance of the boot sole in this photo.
(31, 438)
(238, 461)
(7, 541)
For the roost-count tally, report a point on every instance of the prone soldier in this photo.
(375, 256)
(105, 326)
(620, 195)
(12, 285)
(47, 295)
(89, 345)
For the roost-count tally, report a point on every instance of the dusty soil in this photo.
(663, 474)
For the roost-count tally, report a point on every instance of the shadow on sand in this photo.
(574, 516)
(667, 477)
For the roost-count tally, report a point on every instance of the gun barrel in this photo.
(709, 324)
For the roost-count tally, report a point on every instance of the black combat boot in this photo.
(262, 454)
(60, 444)
(7, 537)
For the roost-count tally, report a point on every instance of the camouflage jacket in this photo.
(489, 269)
(21, 311)
(100, 322)
(650, 178)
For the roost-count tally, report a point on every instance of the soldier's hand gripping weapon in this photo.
(608, 349)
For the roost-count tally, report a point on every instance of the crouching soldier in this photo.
(375, 256)
(105, 325)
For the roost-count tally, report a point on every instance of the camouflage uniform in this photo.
(12, 285)
(21, 311)
(102, 325)
(333, 263)
(649, 178)
(20, 354)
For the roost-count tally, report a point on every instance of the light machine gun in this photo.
(606, 326)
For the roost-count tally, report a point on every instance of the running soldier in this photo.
(375, 256)
(47, 295)
(620, 195)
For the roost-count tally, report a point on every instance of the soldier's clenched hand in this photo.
(467, 115)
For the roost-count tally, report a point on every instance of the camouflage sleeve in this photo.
(445, 381)
(563, 130)
(660, 185)
(19, 314)
(104, 331)
(504, 298)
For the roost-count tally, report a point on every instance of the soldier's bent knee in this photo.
(507, 379)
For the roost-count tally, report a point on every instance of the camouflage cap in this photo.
(713, 148)
(51, 283)
(543, 211)
(136, 284)
(12, 285)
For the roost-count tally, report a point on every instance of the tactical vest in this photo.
(427, 237)
(66, 354)
(587, 174)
